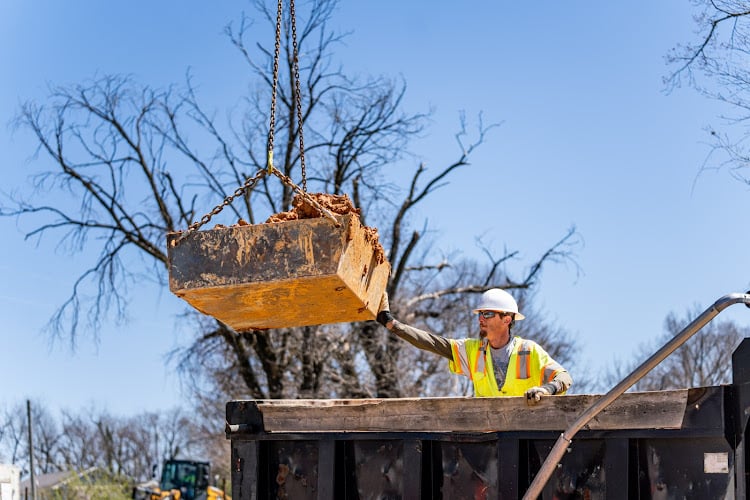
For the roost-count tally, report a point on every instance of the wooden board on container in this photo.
(287, 274)
(646, 410)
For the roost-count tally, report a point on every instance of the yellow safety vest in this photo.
(529, 366)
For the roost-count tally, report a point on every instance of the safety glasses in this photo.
(488, 314)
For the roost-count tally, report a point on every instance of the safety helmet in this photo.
(497, 299)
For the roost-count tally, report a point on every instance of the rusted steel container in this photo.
(667, 444)
(686, 443)
(286, 274)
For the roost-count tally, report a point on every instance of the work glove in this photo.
(384, 314)
(534, 395)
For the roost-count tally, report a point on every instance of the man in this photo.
(497, 363)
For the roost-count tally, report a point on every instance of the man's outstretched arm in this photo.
(418, 338)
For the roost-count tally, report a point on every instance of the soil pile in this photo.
(336, 204)
(302, 209)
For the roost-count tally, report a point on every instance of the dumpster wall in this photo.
(667, 444)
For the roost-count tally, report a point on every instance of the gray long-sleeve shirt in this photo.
(423, 340)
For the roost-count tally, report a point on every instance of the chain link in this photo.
(272, 124)
(270, 169)
(298, 95)
(249, 183)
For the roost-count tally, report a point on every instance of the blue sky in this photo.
(588, 138)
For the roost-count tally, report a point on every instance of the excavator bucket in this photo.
(284, 274)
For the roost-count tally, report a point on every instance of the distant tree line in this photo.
(132, 447)
(704, 360)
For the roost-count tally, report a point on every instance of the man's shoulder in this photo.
(530, 346)
(466, 342)
(525, 343)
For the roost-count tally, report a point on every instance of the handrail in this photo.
(561, 445)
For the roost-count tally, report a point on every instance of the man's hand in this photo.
(534, 395)
(384, 313)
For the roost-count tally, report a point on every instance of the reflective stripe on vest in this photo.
(549, 371)
(460, 368)
(479, 361)
(523, 363)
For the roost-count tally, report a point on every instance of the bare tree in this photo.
(14, 439)
(704, 360)
(138, 162)
(717, 65)
(47, 449)
(79, 446)
(132, 446)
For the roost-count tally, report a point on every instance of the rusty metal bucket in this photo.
(287, 274)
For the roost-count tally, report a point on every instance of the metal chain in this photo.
(250, 182)
(272, 124)
(270, 169)
(298, 95)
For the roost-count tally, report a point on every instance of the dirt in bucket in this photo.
(336, 204)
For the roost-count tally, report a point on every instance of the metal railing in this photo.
(562, 443)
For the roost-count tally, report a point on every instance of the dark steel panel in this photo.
(245, 469)
(741, 363)
(326, 469)
(705, 410)
(469, 470)
(693, 468)
(413, 468)
(293, 469)
(616, 468)
(379, 469)
(508, 468)
(580, 474)
(740, 404)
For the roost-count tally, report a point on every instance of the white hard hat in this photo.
(497, 299)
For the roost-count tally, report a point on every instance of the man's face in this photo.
(494, 326)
